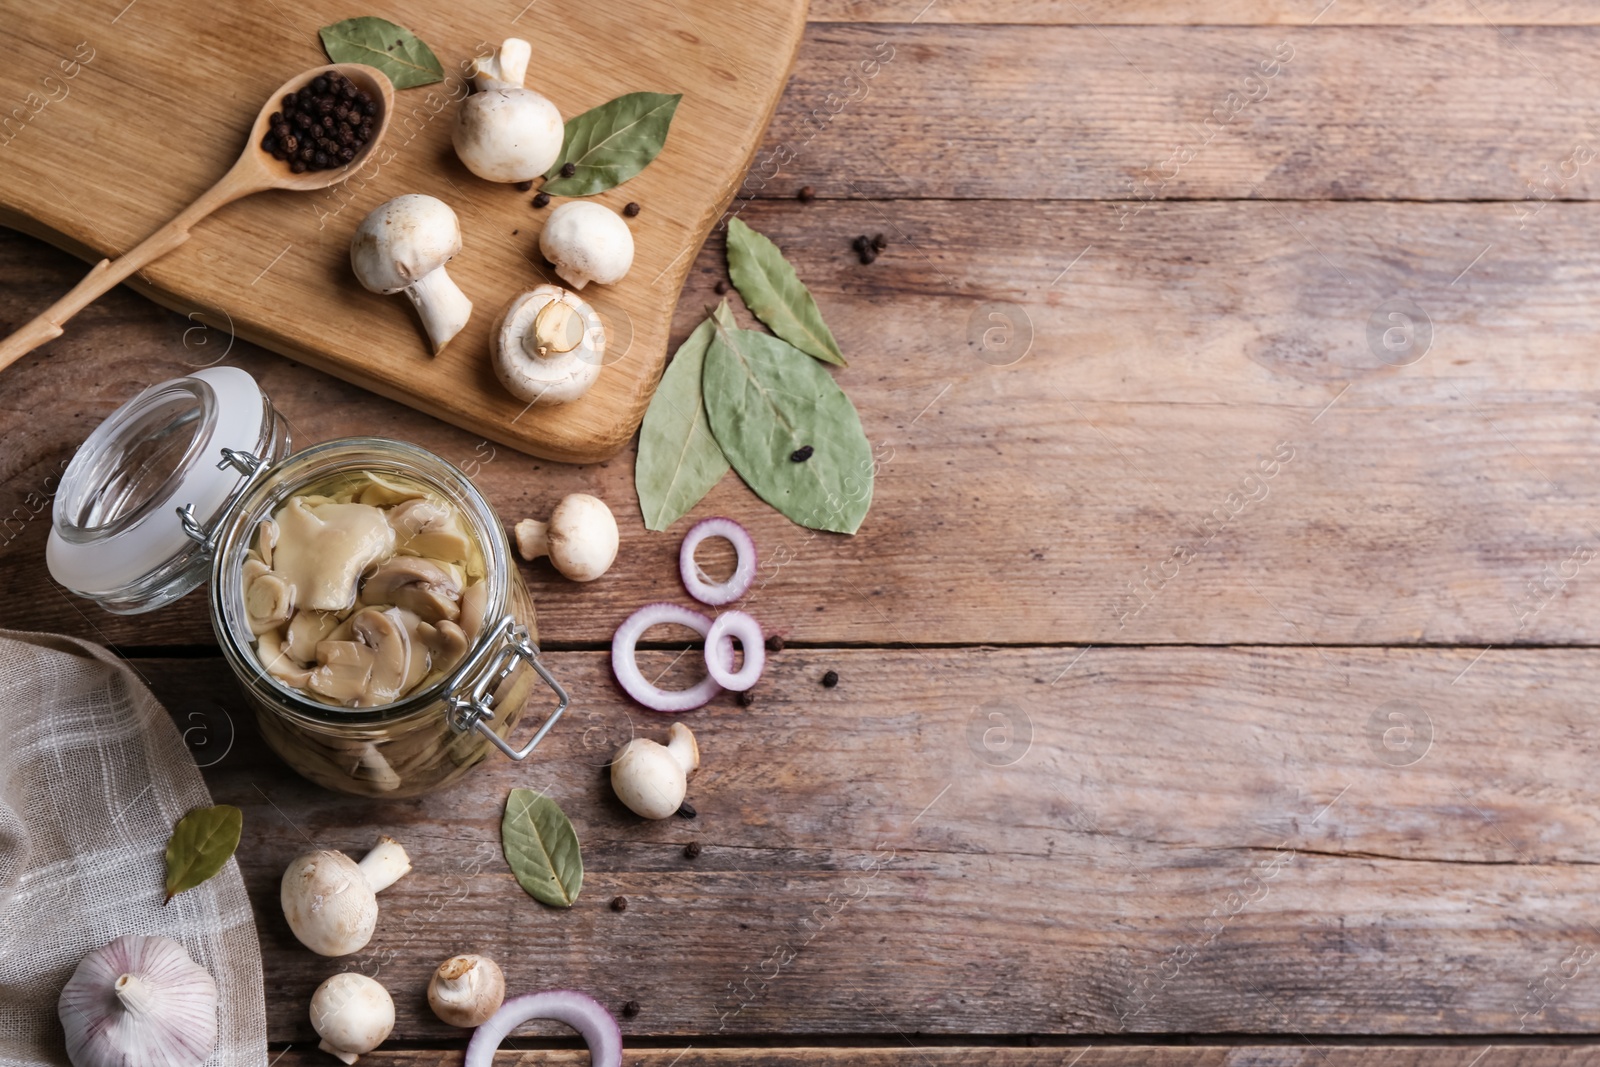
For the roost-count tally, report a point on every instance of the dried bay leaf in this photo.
(200, 845)
(609, 144)
(679, 459)
(542, 848)
(393, 49)
(765, 400)
(774, 292)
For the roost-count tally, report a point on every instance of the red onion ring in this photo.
(578, 1010)
(744, 572)
(625, 662)
(737, 626)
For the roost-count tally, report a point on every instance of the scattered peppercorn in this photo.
(630, 1009)
(830, 679)
(806, 194)
(775, 643)
(721, 287)
(686, 810)
(864, 248)
(568, 169)
(631, 210)
(619, 903)
(692, 849)
(879, 242)
(745, 698)
(322, 126)
(523, 187)
(801, 454)
(541, 199)
(515, 232)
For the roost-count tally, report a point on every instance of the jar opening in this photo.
(135, 461)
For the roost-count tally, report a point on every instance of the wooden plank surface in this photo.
(1172, 112)
(971, 841)
(115, 140)
(1486, 14)
(1442, 501)
(912, 1052)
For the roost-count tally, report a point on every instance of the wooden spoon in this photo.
(255, 171)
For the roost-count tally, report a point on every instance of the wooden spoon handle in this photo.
(109, 272)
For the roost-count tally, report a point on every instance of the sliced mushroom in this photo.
(416, 584)
(306, 630)
(474, 604)
(380, 492)
(426, 528)
(266, 540)
(446, 642)
(268, 601)
(343, 673)
(269, 650)
(395, 669)
(323, 549)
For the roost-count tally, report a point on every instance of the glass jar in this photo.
(168, 492)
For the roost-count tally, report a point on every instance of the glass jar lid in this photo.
(131, 523)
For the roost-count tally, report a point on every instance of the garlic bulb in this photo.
(139, 1002)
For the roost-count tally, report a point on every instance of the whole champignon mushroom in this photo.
(466, 990)
(402, 247)
(548, 346)
(651, 778)
(587, 242)
(331, 901)
(581, 537)
(504, 132)
(353, 1014)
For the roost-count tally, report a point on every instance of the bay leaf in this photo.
(774, 292)
(393, 49)
(611, 143)
(679, 459)
(766, 399)
(542, 848)
(200, 844)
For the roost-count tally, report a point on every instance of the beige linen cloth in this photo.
(93, 775)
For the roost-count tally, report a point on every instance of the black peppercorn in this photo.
(319, 85)
(806, 194)
(879, 242)
(830, 679)
(631, 210)
(868, 255)
(541, 199)
(801, 454)
(775, 643)
(721, 287)
(692, 849)
(619, 903)
(686, 810)
(324, 125)
(568, 169)
(861, 243)
(523, 187)
(630, 1009)
(745, 698)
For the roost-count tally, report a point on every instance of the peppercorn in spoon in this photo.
(298, 143)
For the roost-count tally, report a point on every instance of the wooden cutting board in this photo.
(116, 114)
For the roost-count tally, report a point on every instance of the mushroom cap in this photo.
(583, 537)
(352, 1013)
(508, 135)
(402, 241)
(329, 905)
(587, 242)
(466, 990)
(648, 779)
(557, 378)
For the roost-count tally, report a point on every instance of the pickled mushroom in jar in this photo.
(364, 590)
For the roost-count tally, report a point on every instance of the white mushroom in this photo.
(548, 346)
(503, 132)
(416, 584)
(331, 901)
(403, 247)
(352, 1014)
(587, 242)
(323, 549)
(652, 778)
(580, 538)
(466, 990)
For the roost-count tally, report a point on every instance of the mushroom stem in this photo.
(682, 748)
(385, 864)
(533, 539)
(441, 304)
(133, 994)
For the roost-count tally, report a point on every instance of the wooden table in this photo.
(1217, 663)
